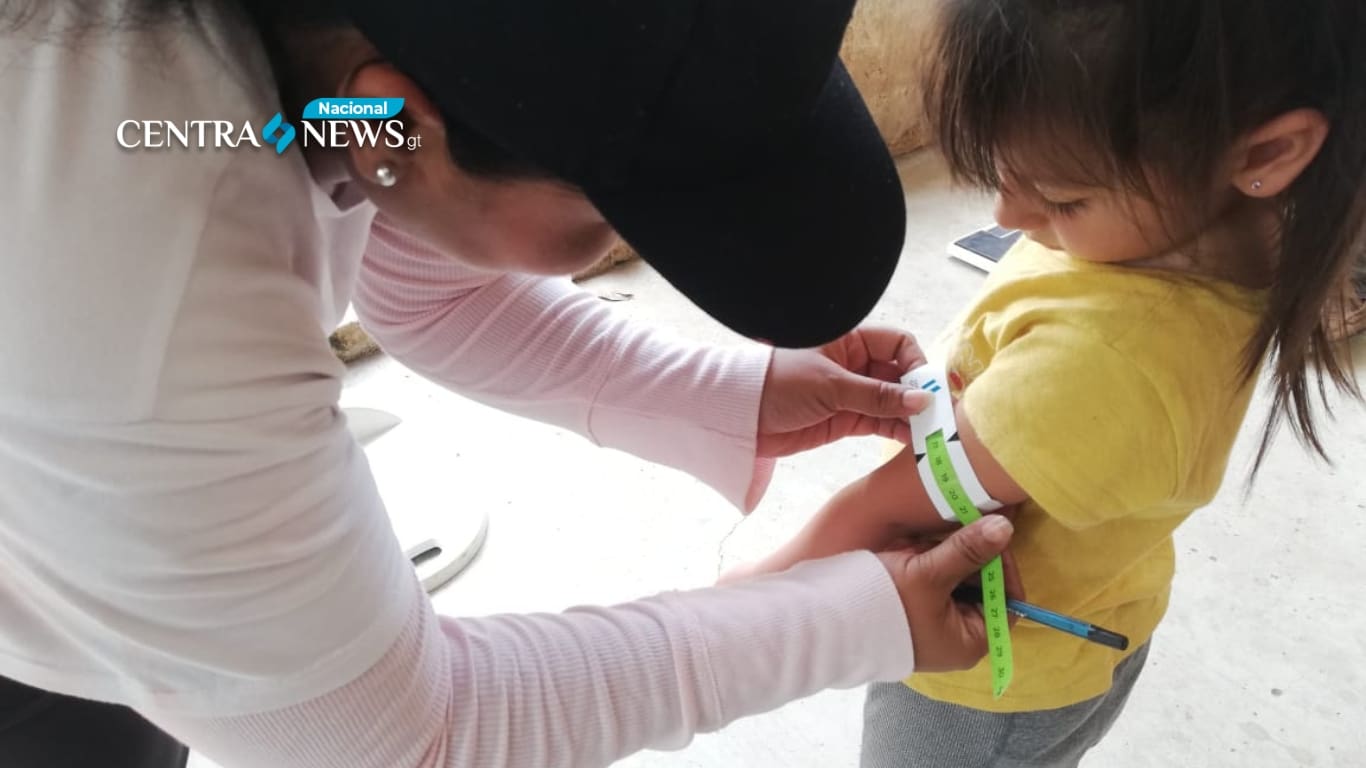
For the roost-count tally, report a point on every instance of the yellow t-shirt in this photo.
(1112, 396)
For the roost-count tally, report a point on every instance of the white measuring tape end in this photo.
(939, 417)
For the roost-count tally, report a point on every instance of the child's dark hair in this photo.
(1128, 91)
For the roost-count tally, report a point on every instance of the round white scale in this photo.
(439, 537)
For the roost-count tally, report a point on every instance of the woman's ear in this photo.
(1269, 159)
(382, 165)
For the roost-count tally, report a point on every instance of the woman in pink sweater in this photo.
(189, 536)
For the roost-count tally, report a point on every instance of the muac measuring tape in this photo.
(944, 466)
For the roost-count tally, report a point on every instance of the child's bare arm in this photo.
(883, 507)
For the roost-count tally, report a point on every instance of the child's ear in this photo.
(1268, 160)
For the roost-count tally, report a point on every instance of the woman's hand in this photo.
(922, 538)
(846, 388)
(947, 634)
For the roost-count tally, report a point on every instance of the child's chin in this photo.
(1047, 242)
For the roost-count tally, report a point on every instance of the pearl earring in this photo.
(385, 176)
(1257, 185)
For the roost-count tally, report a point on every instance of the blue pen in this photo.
(970, 593)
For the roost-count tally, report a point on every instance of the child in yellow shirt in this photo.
(1189, 175)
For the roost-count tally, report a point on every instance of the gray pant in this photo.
(903, 729)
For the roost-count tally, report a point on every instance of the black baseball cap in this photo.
(722, 139)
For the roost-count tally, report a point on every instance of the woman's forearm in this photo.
(544, 349)
(586, 687)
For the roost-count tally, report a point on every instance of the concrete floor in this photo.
(1261, 661)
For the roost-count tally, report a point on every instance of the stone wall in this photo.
(884, 52)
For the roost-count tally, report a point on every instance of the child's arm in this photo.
(889, 504)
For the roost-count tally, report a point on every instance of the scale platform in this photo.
(985, 247)
(415, 481)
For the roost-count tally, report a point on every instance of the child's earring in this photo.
(1257, 185)
(386, 177)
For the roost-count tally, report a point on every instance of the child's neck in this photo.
(1237, 248)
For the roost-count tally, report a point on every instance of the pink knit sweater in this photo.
(594, 684)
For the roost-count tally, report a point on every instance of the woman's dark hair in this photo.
(1131, 91)
(475, 153)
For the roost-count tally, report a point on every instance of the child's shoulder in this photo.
(1135, 311)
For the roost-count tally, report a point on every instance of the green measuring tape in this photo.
(993, 574)
(940, 458)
